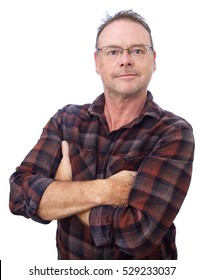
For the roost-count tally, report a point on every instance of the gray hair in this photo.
(128, 15)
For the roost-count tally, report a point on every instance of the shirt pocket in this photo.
(83, 162)
(130, 161)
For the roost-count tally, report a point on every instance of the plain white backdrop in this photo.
(46, 62)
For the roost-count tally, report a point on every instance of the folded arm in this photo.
(159, 190)
(37, 194)
(64, 198)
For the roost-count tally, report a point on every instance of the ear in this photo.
(154, 61)
(96, 59)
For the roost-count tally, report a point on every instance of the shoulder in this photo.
(164, 122)
(177, 131)
(170, 118)
(166, 117)
(72, 111)
(168, 125)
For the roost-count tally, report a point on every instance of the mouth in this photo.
(127, 75)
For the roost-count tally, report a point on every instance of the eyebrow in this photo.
(116, 46)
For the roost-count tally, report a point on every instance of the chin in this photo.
(129, 93)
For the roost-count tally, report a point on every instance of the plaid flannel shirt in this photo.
(158, 145)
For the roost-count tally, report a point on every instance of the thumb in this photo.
(66, 158)
(65, 151)
(64, 171)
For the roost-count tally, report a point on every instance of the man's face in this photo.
(125, 74)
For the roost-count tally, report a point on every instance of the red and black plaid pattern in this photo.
(158, 145)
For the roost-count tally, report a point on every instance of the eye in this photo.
(113, 52)
(137, 51)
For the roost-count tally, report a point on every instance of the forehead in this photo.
(124, 33)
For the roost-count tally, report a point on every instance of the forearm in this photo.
(63, 199)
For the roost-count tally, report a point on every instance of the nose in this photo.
(125, 59)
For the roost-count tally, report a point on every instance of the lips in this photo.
(126, 75)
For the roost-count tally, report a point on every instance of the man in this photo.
(113, 173)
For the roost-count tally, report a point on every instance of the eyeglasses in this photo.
(137, 51)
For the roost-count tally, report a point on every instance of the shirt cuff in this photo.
(101, 220)
(39, 185)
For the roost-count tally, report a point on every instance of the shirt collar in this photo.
(150, 108)
(97, 107)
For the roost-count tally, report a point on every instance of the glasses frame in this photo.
(129, 49)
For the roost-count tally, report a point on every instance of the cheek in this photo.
(97, 67)
(149, 68)
(104, 71)
(100, 67)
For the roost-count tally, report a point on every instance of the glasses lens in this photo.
(112, 51)
(139, 51)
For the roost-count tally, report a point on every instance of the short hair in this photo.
(128, 15)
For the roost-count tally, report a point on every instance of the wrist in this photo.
(104, 193)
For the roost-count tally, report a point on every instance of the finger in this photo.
(66, 158)
(65, 148)
(65, 152)
(64, 171)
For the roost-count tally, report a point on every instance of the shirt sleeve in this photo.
(159, 190)
(36, 172)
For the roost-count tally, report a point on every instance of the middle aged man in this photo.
(125, 165)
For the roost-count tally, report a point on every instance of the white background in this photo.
(46, 62)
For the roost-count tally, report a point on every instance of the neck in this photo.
(120, 111)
